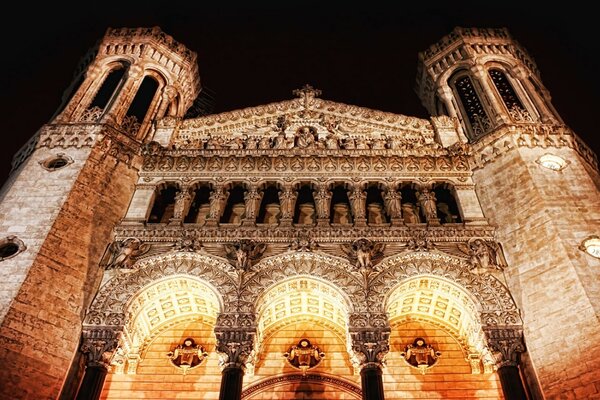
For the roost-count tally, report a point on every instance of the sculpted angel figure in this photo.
(484, 254)
(244, 252)
(123, 253)
(364, 253)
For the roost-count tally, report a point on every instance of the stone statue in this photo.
(305, 137)
(348, 144)
(252, 199)
(244, 252)
(391, 200)
(264, 143)
(357, 202)
(123, 253)
(361, 143)
(287, 198)
(282, 142)
(484, 255)
(322, 199)
(182, 200)
(427, 202)
(331, 142)
(378, 144)
(364, 253)
(375, 214)
(304, 355)
(217, 202)
(410, 213)
(447, 215)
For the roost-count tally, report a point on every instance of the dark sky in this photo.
(251, 54)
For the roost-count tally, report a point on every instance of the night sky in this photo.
(251, 54)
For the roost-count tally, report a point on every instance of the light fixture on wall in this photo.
(591, 245)
(553, 162)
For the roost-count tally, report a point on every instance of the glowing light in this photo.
(552, 162)
(591, 245)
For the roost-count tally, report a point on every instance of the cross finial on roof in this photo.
(307, 93)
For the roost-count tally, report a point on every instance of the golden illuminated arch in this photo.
(301, 298)
(166, 302)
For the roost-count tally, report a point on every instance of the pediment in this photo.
(301, 122)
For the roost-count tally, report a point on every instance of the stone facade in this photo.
(249, 231)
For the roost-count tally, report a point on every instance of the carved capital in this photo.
(370, 346)
(99, 345)
(506, 343)
(234, 347)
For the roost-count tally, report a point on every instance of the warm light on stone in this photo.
(552, 162)
(591, 245)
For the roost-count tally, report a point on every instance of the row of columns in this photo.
(322, 196)
(370, 345)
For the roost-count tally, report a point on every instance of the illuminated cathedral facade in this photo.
(305, 248)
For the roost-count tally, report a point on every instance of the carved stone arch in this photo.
(460, 67)
(495, 303)
(110, 62)
(160, 76)
(110, 305)
(331, 269)
(265, 183)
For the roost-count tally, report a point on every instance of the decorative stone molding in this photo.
(326, 380)
(369, 347)
(234, 347)
(123, 254)
(506, 343)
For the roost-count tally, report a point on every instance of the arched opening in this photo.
(447, 207)
(304, 211)
(161, 316)
(270, 207)
(447, 317)
(200, 205)
(375, 210)
(410, 205)
(301, 307)
(143, 99)
(109, 87)
(340, 205)
(471, 106)
(236, 208)
(164, 204)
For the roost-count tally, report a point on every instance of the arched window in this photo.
(200, 206)
(477, 118)
(164, 205)
(340, 206)
(143, 99)
(411, 213)
(109, 87)
(507, 93)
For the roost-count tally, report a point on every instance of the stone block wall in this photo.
(542, 216)
(41, 330)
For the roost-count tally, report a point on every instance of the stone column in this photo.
(393, 207)
(234, 345)
(498, 110)
(507, 343)
(427, 202)
(252, 200)
(98, 346)
(370, 345)
(217, 200)
(287, 199)
(358, 199)
(183, 200)
(323, 205)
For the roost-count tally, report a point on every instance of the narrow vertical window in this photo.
(508, 95)
(143, 99)
(108, 88)
(476, 114)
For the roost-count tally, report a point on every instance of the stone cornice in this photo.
(510, 137)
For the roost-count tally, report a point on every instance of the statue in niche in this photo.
(283, 142)
(287, 199)
(304, 355)
(307, 214)
(348, 144)
(427, 202)
(331, 142)
(378, 144)
(187, 355)
(446, 214)
(410, 213)
(420, 355)
(322, 199)
(484, 255)
(357, 202)
(272, 213)
(252, 143)
(375, 214)
(252, 199)
(216, 203)
(202, 213)
(123, 253)
(182, 199)
(341, 214)
(391, 200)
(238, 211)
(305, 137)
(264, 143)
(236, 143)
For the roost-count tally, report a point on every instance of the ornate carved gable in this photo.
(300, 123)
